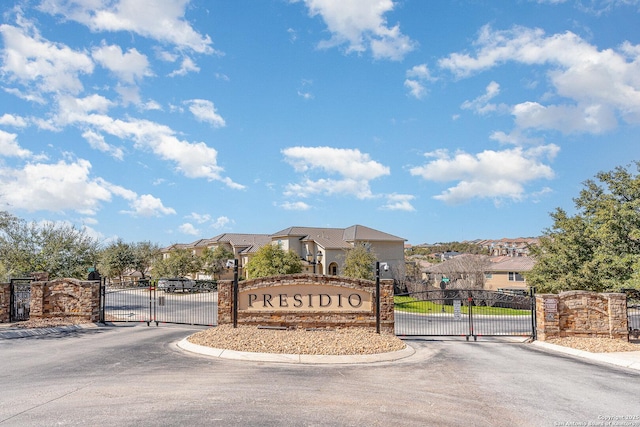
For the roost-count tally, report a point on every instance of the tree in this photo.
(215, 260)
(359, 263)
(598, 248)
(465, 271)
(116, 259)
(179, 263)
(144, 255)
(56, 248)
(271, 260)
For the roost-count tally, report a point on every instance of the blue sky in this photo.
(174, 120)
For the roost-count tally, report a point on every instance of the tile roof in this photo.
(328, 238)
(520, 263)
(337, 237)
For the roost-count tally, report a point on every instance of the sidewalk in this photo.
(625, 359)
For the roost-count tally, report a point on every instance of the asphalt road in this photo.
(135, 375)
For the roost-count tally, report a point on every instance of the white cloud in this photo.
(187, 66)
(597, 86)
(416, 88)
(64, 186)
(295, 206)
(147, 206)
(565, 118)
(416, 79)
(490, 174)
(129, 67)
(355, 170)
(481, 104)
(205, 111)
(399, 202)
(9, 146)
(362, 26)
(54, 187)
(11, 120)
(199, 218)
(188, 228)
(161, 20)
(34, 61)
(193, 159)
(96, 141)
(221, 222)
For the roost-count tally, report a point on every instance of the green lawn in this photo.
(411, 305)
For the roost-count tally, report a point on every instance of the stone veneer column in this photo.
(618, 320)
(581, 314)
(225, 302)
(547, 316)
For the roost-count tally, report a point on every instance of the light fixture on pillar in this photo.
(315, 261)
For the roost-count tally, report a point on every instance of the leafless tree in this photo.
(465, 271)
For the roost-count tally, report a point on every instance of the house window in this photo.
(488, 275)
(515, 277)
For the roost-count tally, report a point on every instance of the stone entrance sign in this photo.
(307, 301)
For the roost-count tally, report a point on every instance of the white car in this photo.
(176, 284)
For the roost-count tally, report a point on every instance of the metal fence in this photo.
(633, 312)
(464, 313)
(142, 301)
(20, 299)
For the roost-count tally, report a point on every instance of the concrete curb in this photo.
(629, 359)
(294, 358)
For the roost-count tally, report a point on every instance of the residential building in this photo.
(321, 249)
(499, 273)
(332, 243)
(518, 247)
(507, 273)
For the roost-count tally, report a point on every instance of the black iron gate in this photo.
(633, 312)
(465, 313)
(20, 299)
(142, 301)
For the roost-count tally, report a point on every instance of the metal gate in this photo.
(142, 301)
(465, 313)
(20, 299)
(633, 312)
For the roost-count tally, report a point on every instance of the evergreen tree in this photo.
(271, 260)
(359, 263)
(598, 248)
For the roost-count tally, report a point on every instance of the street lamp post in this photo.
(310, 259)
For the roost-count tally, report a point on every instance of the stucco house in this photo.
(506, 273)
(321, 249)
(326, 247)
(503, 273)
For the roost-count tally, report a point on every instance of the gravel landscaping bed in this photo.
(347, 341)
(596, 345)
(48, 322)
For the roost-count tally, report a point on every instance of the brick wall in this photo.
(309, 318)
(581, 314)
